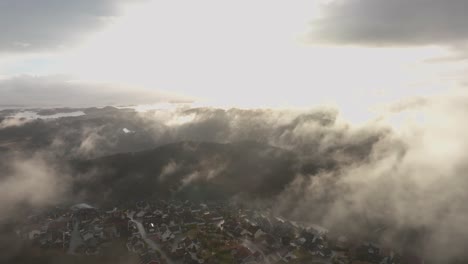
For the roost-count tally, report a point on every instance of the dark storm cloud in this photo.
(31, 25)
(396, 22)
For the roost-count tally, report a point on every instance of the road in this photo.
(151, 243)
(75, 239)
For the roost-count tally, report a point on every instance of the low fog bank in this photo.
(400, 186)
(29, 182)
(105, 131)
(410, 191)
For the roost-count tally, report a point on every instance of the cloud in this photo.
(314, 132)
(91, 140)
(396, 22)
(409, 192)
(408, 104)
(55, 91)
(403, 187)
(13, 121)
(168, 170)
(29, 25)
(30, 181)
(208, 169)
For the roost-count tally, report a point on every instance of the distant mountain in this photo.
(187, 169)
(313, 141)
(99, 132)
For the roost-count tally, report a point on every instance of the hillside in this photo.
(187, 169)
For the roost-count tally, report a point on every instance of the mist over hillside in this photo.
(196, 171)
(311, 166)
(107, 153)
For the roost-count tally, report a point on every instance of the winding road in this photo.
(75, 239)
(151, 243)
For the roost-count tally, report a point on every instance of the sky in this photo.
(355, 55)
(371, 60)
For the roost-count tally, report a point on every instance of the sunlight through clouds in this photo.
(245, 54)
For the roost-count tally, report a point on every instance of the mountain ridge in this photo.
(188, 168)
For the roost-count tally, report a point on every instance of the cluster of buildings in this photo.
(85, 231)
(194, 233)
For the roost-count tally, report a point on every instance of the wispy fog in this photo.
(402, 186)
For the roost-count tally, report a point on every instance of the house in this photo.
(325, 253)
(215, 217)
(245, 233)
(87, 236)
(110, 232)
(368, 252)
(149, 258)
(140, 214)
(152, 228)
(192, 258)
(290, 256)
(257, 256)
(318, 230)
(167, 235)
(273, 258)
(136, 245)
(258, 234)
(188, 219)
(242, 254)
(189, 244)
(61, 224)
(175, 229)
(300, 241)
(84, 212)
(90, 251)
(132, 227)
(177, 252)
(283, 252)
(270, 241)
(33, 234)
(114, 227)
